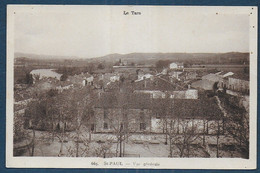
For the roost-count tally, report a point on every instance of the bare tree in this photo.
(104, 149)
(120, 128)
(163, 109)
(35, 116)
(237, 122)
(64, 120)
(82, 103)
(186, 137)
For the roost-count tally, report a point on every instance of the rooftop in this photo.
(202, 108)
(120, 100)
(183, 108)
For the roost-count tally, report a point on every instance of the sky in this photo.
(94, 31)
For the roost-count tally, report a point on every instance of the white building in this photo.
(114, 78)
(176, 65)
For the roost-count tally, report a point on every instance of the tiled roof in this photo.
(189, 108)
(182, 108)
(202, 108)
(212, 77)
(158, 83)
(237, 75)
(120, 100)
(242, 76)
(203, 84)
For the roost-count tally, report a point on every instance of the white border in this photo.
(165, 163)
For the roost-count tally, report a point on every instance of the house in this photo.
(109, 77)
(143, 77)
(152, 83)
(88, 80)
(176, 65)
(63, 87)
(175, 74)
(212, 77)
(81, 79)
(115, 111)
(164, 71)
(204, 115)
(208, 82)
(138, 112)
(188, 75)
(238, 85)
(235, 83)
(114, 78)
(203, 84)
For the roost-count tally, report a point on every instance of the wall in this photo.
(237, 84)
(173, 66)
(115, 117)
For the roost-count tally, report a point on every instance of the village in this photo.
(133, 110)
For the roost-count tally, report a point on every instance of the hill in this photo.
(192, 58)
(146, 58)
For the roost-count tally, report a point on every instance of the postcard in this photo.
(146, 87)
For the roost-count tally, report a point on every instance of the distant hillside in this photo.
(151, 58)
(31, 56)
(198, 58)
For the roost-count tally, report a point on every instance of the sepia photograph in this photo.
(131, 86)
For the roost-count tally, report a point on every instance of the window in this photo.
(121, 126)
(105, 126)
(105, 114)
(142, 117)
(157, 115)
(124, 112)
(92, 127)
(142, 126)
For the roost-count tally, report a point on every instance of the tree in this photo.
(37, 116)
(82, 107)
(91, 68)
(20, 135)
(104, 149)
(132, 64)
(120, 128)
(29, 78)
(237, 122)
(74, 113)
(64, 77)
(163, 108)
(119, 122)
(162, 64)
(180, 132)
(101, 66)
(34, 113)
(183, 141)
